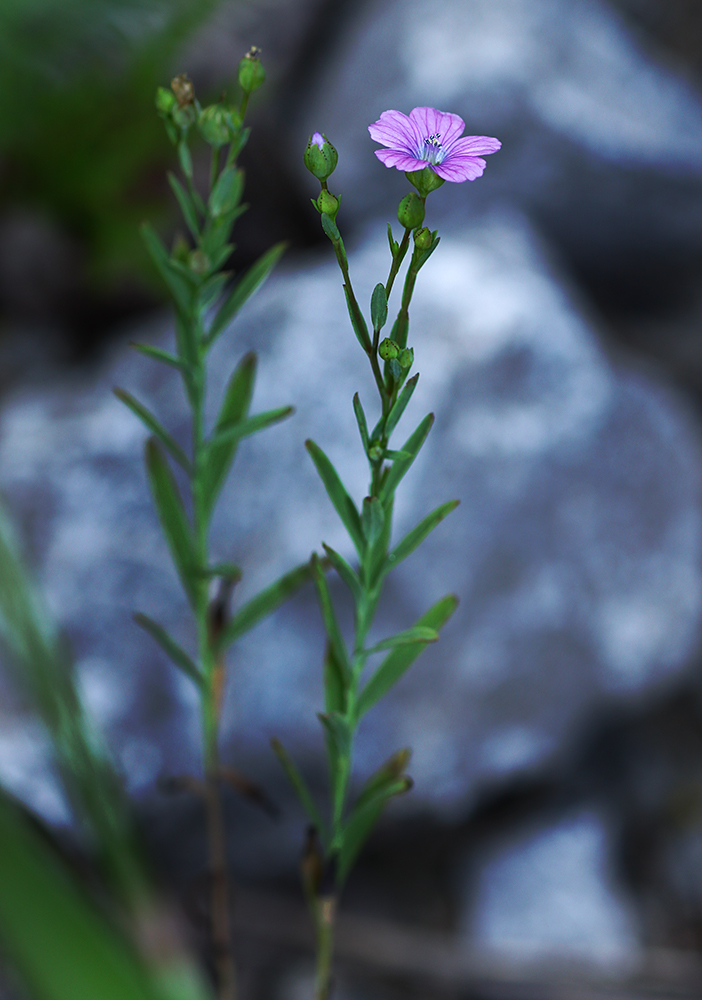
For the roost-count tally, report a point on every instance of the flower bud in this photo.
(166, 102)
(423, 239)
(388, 349)
(183, 89)
(198, 262)
(424, 180)
(251, 72)
(406, 357)
(410, 214)
(320, 157)
(218, 124)
(375, 452)
(327, 203)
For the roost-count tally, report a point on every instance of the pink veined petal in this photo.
(429, 121)
(394, 129)
(460, 168)
(475, 145)
(398, 158)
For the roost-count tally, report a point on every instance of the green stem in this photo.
(396, 262)
(326, 918)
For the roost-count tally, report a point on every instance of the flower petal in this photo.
(398, 158)
(394, 129)
(460, 168)
(428, 121)
(476, 145)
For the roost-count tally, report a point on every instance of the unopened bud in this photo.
(183, 89)
(166, 101)
(251, 73)
(320, 157)
(411, 212)
(406, 357)
(388, 349)
(375, 453)
(424, 180)
(327, 203)
(218, 124)
(198, 262)
(423, 239)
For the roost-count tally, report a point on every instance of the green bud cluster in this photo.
(218, 124)
(388, 349)
(423, 238)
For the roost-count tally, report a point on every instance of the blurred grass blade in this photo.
(158, 355)
(61, 944)
(244, 288)
(329, 617)
(396, 663)
(152, 424)
(244, 428)
(417, 535)
(393, 768)
(418, 633)
(401, 466)
(334, 683)
(235, 407)
(361, 421)
(170, 647)
(361, 823)
(300, 786)
(172, 516)
(344, 571)
(178, 286)
(399, 407)
(264, 603)
(344, 505)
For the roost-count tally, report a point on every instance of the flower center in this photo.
(432, 151)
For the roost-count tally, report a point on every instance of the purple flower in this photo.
(318, 139)
(434, 139)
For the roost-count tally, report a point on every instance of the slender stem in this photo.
(326, 918)
(396, 261)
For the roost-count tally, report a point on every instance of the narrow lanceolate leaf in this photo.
(361, 823)
(417, 535)
(361, 421)
(226, 194)
(345, 507)
(372, 520)
(396, 663)
(264, 603)
(60, 943)
(170, 648)
(418, 633)
(244, 288)
(357, 321)
(345, 571)
(334, 682)
(235, 407)
(329, 617)
(243, 428)
(150, 421)
(178, 286)
(301, 789)
(401, 466)
(186, 205)
(174, 521)
(337, 729)
(158, 355)
(379, 307)
(398, 409)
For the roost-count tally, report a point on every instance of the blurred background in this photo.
(553, 843)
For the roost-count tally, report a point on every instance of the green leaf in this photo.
(400, 405)
(158, 355)
(379, 307)
(401, 466)
(329, 617)
(400, 329)
(418, 633)
(397, 662)
(345, 571)
(361, 421)
(372, 520)
(214, 285)
(244, 289)
(344, 505)
(330, 228)
(235, 406)
(171, 648)
(338, 731)
(357, 321)
(243, 428)
(61, 944)
(417, 535)
(171, 513)
(361, 823)
(186, 160)
(177, 285)
(334, 682)
(226, 194)
(264, 603)
(298, 783)
(394, 245)
(186, 205)
(150, 421)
